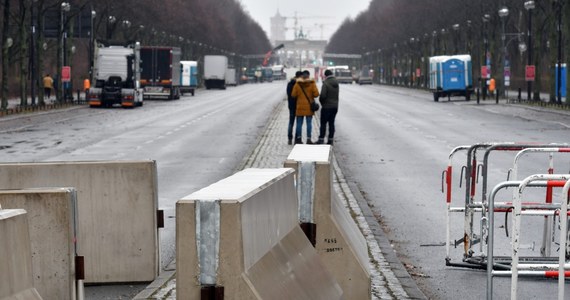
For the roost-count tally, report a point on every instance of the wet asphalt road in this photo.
(392, 142)
(196, 141)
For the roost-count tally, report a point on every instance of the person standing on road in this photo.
(292, 104)
(304, 91)
(329, 102)
(48, 85)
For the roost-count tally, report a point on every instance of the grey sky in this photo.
(335, 10)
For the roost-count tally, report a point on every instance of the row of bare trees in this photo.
(401, 34)
(220, 26)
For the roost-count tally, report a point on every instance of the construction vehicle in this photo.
(160, 72)
(116, 76)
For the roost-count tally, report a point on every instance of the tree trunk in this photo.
(39, 51)
(5, 30)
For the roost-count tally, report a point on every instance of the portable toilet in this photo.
(188, 76)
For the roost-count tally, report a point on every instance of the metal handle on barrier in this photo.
(509, 173)
(461, 175)
(443, 179)
(477, 176)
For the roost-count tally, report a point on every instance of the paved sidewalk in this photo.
(389, 278)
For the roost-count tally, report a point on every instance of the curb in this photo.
(154, 286)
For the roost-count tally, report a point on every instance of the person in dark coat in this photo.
(329, 102)
(292, 103)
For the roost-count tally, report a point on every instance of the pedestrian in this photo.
(492, 86)
(304, 91)
(292, 104)
(48, 85)
(329, 102)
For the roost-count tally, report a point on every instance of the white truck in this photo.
(116, 77)
(231, 77)
(215, 67)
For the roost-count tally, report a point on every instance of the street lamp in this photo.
(486, 55)
(65, 7)
(529, 6)
(91, 42)
(504, 13)
(558, 4)
(110, 23)
(456, 29)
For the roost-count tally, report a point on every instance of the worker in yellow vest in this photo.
(492, 86)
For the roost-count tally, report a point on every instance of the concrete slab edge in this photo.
(156, 285)
(399, 282)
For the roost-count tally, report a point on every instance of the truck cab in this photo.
(116, 76)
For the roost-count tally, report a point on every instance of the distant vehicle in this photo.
(266, 74)
(342, 74)
(365, 76)
(188, 76)
(215, 71)
(160, 72)
(250, 75)
(116, 77)
(450, 76)
(278, 72)
(231, 77)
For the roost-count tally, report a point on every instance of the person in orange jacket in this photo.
(492, 86)
(305, 91)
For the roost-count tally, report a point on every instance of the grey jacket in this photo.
(329, 93)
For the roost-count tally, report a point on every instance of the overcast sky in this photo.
(335, 10)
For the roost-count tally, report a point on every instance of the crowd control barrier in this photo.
(327, 222)
(16, 278)
(52, 218)
(240, 237)
(521, 261)
(117, 205)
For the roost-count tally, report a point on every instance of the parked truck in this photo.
(188, 76)
(116, 76)
(450, 76)
(231, 77)
(160, 72)
(215, 71)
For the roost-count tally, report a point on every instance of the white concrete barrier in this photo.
(240, 237)
(117, 209)
(327, 221)
(16, 282)
(51, 219)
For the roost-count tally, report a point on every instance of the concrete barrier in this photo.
(240, 237)
(51, 219)
(117, 209)
(327, 221)
(16, 282)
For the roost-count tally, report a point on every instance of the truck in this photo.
(188, 76)
(116, 76)
(215, 71)
(365, 76)
(160, 72)
(342, 74)
(450, 76)
(266, 74)
(278, 72)
(231, 77)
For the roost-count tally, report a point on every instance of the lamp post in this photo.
(486, 55)
(504, 13)
(91, 42)
(33, 80)
(558, 4)
(110, 23)
(65, 7)
(456, 30)
(529, 6)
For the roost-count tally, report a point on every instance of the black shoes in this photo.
(309, 142)
(298, 141)
(290, 142)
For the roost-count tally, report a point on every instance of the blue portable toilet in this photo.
(451, 76)
(188, 76)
